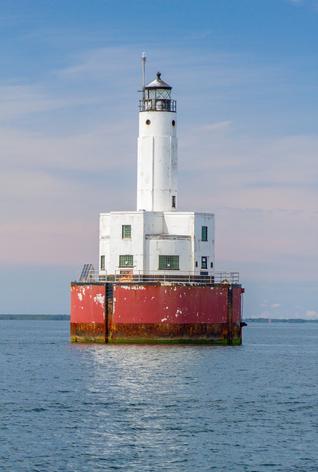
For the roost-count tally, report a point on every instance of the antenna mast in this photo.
(143, 69)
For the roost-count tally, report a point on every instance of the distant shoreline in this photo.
(31, 317)
(279, 320)
(35, 317)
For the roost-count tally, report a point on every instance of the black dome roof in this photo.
(158, 83)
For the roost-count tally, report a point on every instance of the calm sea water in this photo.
(77, 408)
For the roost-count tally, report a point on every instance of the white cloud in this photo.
(311, 314)
(311, 4)
(20, 100)
(219, 125)
(100, 64)
(272, 173)
(98, 149)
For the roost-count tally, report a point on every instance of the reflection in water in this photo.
(153, 408)
(144, 394)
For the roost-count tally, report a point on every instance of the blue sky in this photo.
(245, 74)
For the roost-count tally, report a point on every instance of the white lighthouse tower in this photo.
(157, 149)
(156, 239)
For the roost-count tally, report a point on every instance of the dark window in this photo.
(204, 233)
(196, 263)
(168, 262)
(204, 262)
(126, 231)
(126, 261)
(148, 122)
(102, 262)
(173, 123)
(174, 201)
(211, 265)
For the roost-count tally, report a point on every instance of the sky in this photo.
(245, 77)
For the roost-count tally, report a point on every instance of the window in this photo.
(211, 265)
(126, 261)
(168, 262)
(196, 263)
(102, 262)
(204, 233)
(163, 93)
(174, 203)
(148, 122)
(126, 231)
(173, 123)
(204, 262)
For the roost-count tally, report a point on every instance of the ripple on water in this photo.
(97, 408)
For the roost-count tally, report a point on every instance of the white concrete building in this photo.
(157, 239)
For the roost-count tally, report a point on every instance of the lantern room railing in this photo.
(156, 104)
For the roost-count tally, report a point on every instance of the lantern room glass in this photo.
(157, 94)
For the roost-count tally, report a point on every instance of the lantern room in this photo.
(157, 96)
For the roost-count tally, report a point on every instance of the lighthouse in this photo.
(156, 280)
(157, 238)
(157, 148)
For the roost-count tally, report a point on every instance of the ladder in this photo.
(87, 272)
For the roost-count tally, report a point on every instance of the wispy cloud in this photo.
(21, 100)
(101, 64)
(99, 149)
(310, 4)
(311, 314)
(56, 176)
(219, 125)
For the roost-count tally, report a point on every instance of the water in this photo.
(146, 408)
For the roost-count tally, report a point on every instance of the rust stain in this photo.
(172, 330)
(92, 332)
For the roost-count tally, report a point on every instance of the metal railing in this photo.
(158, 104)
(126, 276)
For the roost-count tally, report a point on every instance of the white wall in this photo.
(179, 223)
(166, 247)
(204, 248)
(104, 237)
(112, 225)
(154, 234)
(153, 222)
(157, 161)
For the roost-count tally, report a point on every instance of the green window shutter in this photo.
(204, 233)
(126, 260)
(168, 262)
(126, 231)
